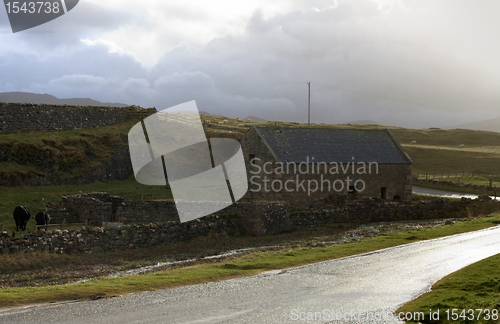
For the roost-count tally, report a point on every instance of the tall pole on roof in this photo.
(309, 105)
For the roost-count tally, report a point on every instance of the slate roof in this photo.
(333, 145)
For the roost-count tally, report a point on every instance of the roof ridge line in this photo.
(399, 147)
(265, 143)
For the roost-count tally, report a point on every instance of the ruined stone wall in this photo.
(251, 219)
(93, 208)
(98, 239)
(143, 211)
(19, 117)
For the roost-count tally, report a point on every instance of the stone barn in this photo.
(298, 165)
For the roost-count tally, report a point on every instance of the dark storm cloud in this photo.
(395, 66)
(360, 66)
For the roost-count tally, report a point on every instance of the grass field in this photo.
(445, 160)
(247, 264)
(69, 154)
(31, 196)
(76, 152)
(476, 288)
(437, 152)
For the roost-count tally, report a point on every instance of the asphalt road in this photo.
(443, 193)
(377, 282)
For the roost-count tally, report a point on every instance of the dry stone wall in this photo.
(248, 219)
(98, 239)
(20, 117)
(94, 208)
(376, 210)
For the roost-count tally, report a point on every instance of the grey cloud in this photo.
(27, 70)
(86, 20)
(90, 17)
(4, 22)
(181, 12)
(363, 64)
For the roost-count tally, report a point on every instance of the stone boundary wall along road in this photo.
(20, 117)
(97, 239)
(94, 208)
(239, 219)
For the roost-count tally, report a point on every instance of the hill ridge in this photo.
(48, 99)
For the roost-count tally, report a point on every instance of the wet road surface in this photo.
(443, 193)
(378, 282)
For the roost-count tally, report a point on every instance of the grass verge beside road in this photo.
(238, 266)
(475, 287)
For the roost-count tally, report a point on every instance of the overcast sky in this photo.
(412, 63)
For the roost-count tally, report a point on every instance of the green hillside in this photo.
(70, 155)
